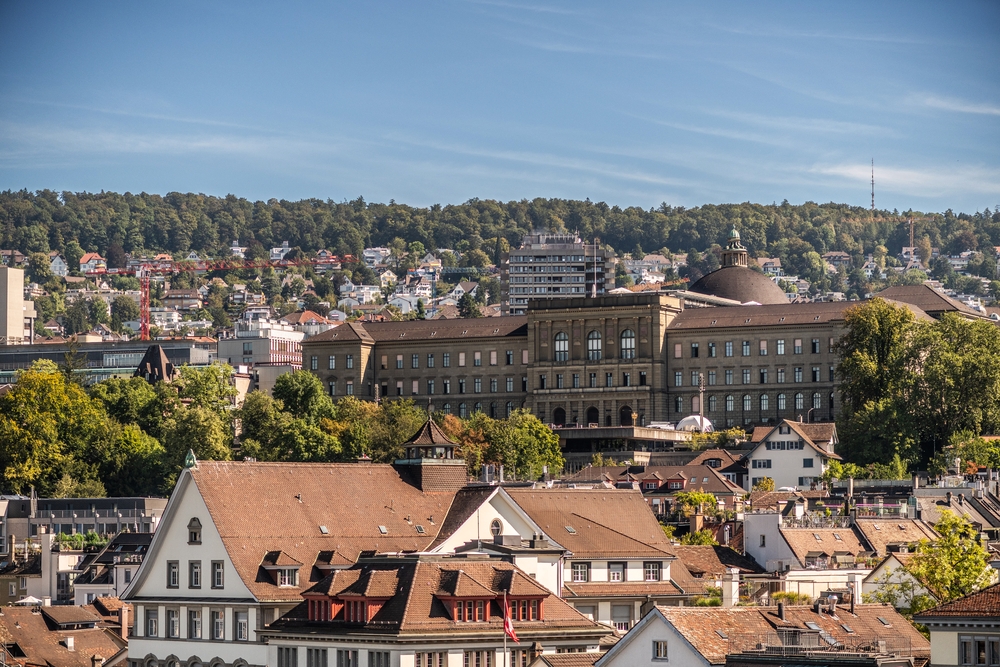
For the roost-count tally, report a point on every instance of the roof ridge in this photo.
(618, 532)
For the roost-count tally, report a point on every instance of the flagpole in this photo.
(506, 610)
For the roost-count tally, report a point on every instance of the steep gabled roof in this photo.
(713, 561)
(983, 604)
(880, 533)
(826, 541)
(928, 299)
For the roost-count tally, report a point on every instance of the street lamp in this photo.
(809, 416)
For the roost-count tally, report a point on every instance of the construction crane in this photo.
(145, 272)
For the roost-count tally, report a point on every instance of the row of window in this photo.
(651, 571)
(746, 346)
(195, 630)
(477, 359)
(594, 345)
(288, 656)
(194, 574)
(332, 362)
(446, 386)
(763, 402)
(462, 409)
(746, 374)
(609, 380)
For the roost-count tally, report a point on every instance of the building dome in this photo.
(740, 284)
(695, 423)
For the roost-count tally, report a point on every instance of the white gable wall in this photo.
(787, 466)
(775, 552)
(636, 648)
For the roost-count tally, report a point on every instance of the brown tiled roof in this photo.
(265, 507)
(880, 533)
(756, 316)
(927, 299)
(803, 541)
(430, 434)
(713, 561)
(279, 559)
(700, 626)
(770, 499)
(568, 659)
(983, 604)
(864, 621)
(467, 501)
(415, 606)
(701, 477)
(41, 645)
(441, 329)
(607, 523)
(621, 589)
(63, 614)
(456, 583)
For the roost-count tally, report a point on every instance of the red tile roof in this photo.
(983, 604)
(713, 561)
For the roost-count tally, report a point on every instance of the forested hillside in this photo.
(178, 223)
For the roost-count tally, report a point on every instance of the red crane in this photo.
(144, 273)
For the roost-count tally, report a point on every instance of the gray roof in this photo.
(740, 284)
(489, 327)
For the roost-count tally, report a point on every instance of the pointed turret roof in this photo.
(430, 434)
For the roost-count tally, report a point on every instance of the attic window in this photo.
(817, 536)
(781, 319)
(383, 530)
(847, 628)
(465, 332)
(811, 625)
(571, 530)
(884, 622)
(722, 634)
(434, 333)
(402, 334)
(420, 529)
(877, 527)
(496, 331)
(194, 531)
(714, 321)
(901, 526)
(748, 321)
(816, 318)
(324, 530)
(837, 537)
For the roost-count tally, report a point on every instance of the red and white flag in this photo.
(508, 622)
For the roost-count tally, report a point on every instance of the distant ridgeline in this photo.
(180, 223)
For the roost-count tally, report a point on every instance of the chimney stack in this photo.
(781, 610)
(69, 643)
(123, 617)
(730, 587)
(96, 661)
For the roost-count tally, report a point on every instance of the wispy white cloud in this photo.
(800, 124)
(540, 9)
(954, 104)
(926, 182)
(772, 32)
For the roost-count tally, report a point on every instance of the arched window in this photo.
(747, 404)
(446, 408)
(763, 402)
(817, 401)
(625, 417)
(799, 402)
(562, 346)
(493, 410)
(594, 346)
(712, 404)
(730, 403)
(509, 409)
(461, 411)
(678, 404)
(559, 417)
(496, 527)
(628, 344)
(477, 408)
(781, 402)
(593, 416)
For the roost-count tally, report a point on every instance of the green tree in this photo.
(971, 451)
(123, 309)
(199, 429)
(98, 311)
(955, 564)
(704, 537)
(690, 501)
(765, 484)
(303, 396)
(134, 463)
(77, 318)
(210, 387)
(467, 306)
(39, 268)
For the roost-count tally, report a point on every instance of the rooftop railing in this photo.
(806, 642)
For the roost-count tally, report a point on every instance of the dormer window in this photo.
(356, 611)
(194, 531)
(287, 577)
(470, 610)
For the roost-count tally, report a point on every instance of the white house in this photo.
(793, 454)
(891, 575)
(375, 256)
(57, 265)
(91, 262)
(278, 254)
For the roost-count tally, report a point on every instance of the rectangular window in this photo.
(626, 379)
(332, 362)
(609, 380)
(642, 378)
(763, 348)
(314, 363)
(711, 350)
(415, 361)
(763, 375)
(559, 381)
(576, 380)
(385, 362)
(316, 657)
(761, 463)
(797, 347)
(242, 626)
(616, 571)
(349, 387)
(477, 659)
(347, 658)
(477, 359)
(524, 357)
(678, 379)
(807, 463)
(461, 359)
(430, 361)
(659, 649)
(247, 348)
(510, 384)
(446, 359)
(152, 626)
(678, 354)
(711, 378)
(381, 659)
(218, 574)
(430, 387)
(415, 387)
(746, 348)
(509, 357)
(524, 383)
(694, 378)
(593, 380)
(288, 656)
(729, 348)
(746, 376)
(729, 377)
(815, 345)
(173, 623)
(651, 571)
(780, 346)
(798, 374)
(349, 361)
(493, 357)
(541, 381)
(815, 373)
(832, 374)
(763, 538)
(218, 625)
(581, 573)
(288, 577)
(781, 376)
(194, 624)
(399, 361)
(447, 386)
(399, 387)
(173, 574)
(194, 574)
(478, 385)
(694, 350)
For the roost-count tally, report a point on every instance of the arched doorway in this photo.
(593, 416)
(625, 416)
(559, 417)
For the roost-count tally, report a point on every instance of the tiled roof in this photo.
(700, 626)
(713, 561)
(41, 645)
(927, 299)
(820, 436)
(467, 501)
(569, 659)
(984, 604)
(701, 477)
(594, 523)
(441, 329)
(880, 533)
(284, 504)
(621, 589)
(430, 434)
(415, 607)
(756, 316)
(803, 541)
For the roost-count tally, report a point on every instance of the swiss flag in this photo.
(508, 622)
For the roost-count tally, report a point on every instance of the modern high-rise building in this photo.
(552, 266)
(17, 316)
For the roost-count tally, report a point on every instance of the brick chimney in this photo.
(96, 661)
(123, 617)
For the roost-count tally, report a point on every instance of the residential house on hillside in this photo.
(57, 265)
(91, 262)
(792, 453)
(12, 258)
(278, 254)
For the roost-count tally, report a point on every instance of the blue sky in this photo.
(440, 102)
